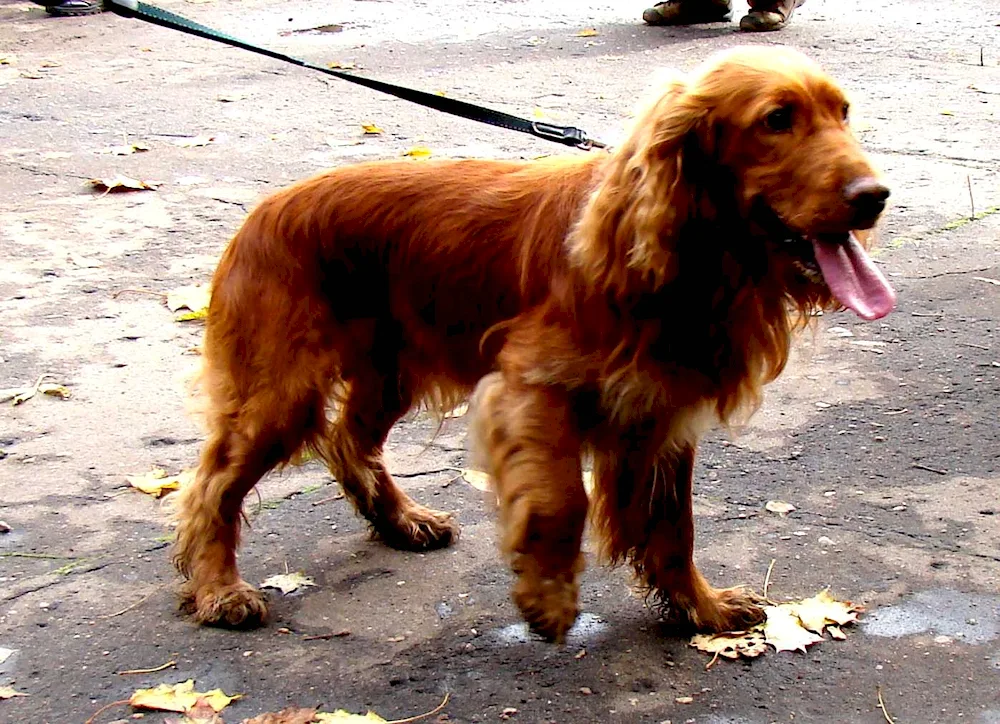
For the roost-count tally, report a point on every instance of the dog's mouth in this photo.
(839, 261)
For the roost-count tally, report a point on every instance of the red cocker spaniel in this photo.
(610, 307)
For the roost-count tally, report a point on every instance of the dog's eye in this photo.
(846, 111)
(780, 120)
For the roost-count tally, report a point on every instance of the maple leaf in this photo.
(157, 483)
(193, 141)
(290, 715)
(478, 480)
(343, 717)
(418, 152)
(180, 697)
(783, 630)
(779, 506)
(194, 297)
(120, 183)
(288, 582)
(821, 610)
(732, 645)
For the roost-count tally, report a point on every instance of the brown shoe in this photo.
(768, 15)
(688, 12)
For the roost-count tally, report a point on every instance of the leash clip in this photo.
(567, 135)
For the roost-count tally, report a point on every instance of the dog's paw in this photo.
(235, 605)
(549, 605)
(419, 529)
(727, 609)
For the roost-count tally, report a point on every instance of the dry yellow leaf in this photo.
(119, 184)
(288, 582)
(7, 692)
(418, 152)
(338, 65)
(821, 610)
(342, 717)
(125, 150)
(20, 395)
(194, 297)
(783, 630)
(157, 483)
(179, 697)
(587, 33)
(478, 480)
(732, 645)
(779, 506)
(371, 129)
(193, 141)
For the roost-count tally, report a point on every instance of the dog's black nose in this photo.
(866, 195)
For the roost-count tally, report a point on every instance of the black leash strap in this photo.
(566, 135)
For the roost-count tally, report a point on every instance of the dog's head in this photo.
(758, 141)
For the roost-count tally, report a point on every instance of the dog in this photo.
(608, 308)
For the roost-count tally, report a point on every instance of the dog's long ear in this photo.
(634, 216)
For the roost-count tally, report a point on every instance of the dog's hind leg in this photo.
(376, 397)
(533, 454)
(247, 438)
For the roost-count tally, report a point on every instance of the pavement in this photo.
(885, 437)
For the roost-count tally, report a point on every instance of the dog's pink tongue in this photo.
(854, 279)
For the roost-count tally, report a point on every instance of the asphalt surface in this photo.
(884, 436)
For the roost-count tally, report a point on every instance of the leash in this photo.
(566, 135)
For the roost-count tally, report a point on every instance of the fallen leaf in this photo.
(60, 391)
(418, 152)
(587, 33)
(947, 113)
(49, 64)
(201, 713)
(458, 411)
(779, 506)
(288, 582)
(783, 630)
(8, 60)
(836, 633)
(31, 75)
(194, 297)
(342, 717)
(478, 480)
(822, 609)
(194, 141)
(119, 184)
(371, 129)
(733, 645)
(291, 715)
(20, 395)
(7, 692)
(125, 150)
(338, 65)
(157, 483)
(179, 697)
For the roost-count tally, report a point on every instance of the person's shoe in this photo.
(768, 15)
(688, 12)
(61, 8)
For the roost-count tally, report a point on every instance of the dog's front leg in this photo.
(645, 515)
(533, 451)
